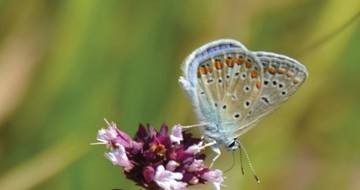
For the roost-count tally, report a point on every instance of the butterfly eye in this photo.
(232, 144)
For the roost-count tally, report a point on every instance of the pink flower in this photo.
(118, 157)
(176, 134)
(169, 180)
(105, 136)
(171, 165)
(196, 165)
(194, 148)
(216, 177)
(158, 160)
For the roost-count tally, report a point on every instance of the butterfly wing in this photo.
(223, 79)
(242, 89)
(200, 70)
(283, 76)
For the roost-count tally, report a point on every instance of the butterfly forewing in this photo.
(204, 81)
(213, 84)
(229, 83)
(243, 89)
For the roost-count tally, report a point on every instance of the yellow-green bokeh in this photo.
(66, 65)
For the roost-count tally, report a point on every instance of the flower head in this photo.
(158, 160)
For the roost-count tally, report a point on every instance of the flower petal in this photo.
(193, 149)
(176, 134)
(148, 173)
(216, 177)
(119, 157)
(171, 165)
(152, 131)
(196, 165)
(107, 135)
(168, 180)
(141, 134)
(163, 130)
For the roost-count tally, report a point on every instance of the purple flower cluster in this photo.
(158, 161)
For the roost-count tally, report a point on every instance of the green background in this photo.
(66, 65)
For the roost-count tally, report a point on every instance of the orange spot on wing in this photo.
(290, 74)
(281, 71)
(272, 70)
(296, 80)
(254, 74)
(258, 84)
(218, 65)
(239, 60)
(248, 64)
(202, 70)
(229, 62)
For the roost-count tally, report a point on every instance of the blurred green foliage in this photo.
(65, 65)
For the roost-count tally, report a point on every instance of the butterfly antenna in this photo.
(241, 162)
(233, 163)
(250, 164)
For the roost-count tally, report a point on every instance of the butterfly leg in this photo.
(208, 144)
(217, 152)
(193, 126)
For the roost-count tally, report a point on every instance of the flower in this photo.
(169, 180)
(215, 177)
(196, 165)
(158, 160)
(118, 157)
(176, 134)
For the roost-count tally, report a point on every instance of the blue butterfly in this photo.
(233, 88)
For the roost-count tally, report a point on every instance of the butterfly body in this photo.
(232, 88)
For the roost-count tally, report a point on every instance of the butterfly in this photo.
(232, 88)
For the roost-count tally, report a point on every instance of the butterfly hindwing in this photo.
(282, 77)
